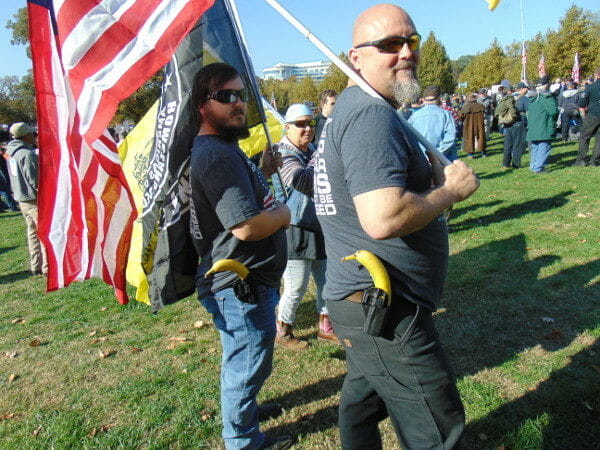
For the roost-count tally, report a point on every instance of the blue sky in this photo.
(463, 26)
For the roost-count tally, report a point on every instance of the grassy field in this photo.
(520, 322)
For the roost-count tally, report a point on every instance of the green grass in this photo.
(522, 248)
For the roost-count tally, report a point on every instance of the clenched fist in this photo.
(460, 180)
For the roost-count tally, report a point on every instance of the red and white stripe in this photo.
(99, 52)
(575, 70)
(542, 67)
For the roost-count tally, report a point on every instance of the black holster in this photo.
(246, 291)
(376, 304)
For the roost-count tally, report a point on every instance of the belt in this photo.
(355, 297)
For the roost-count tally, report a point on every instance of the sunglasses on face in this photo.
(229, 95)
(305, 123)
(394, 44)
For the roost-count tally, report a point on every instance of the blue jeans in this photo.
(540, 150)
(295, 280)
(247, 338)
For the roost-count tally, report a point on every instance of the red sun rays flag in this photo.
(542, 67)
(575, 71)
(88, 55)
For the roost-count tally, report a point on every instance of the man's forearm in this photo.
(262, 225)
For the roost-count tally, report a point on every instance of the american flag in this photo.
(542, 67)
(88, 55)
(575, 71)
(523, 63)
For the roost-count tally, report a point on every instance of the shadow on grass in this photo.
(8, 249)
(457, 212)
(317, 422)
(566, 404)
(495, 302)
(514, 211)
(492, 175)
(12, 277)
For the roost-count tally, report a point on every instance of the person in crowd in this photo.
(589, 107)
(327, 100)
(436, 124)
(234, 216)
(488, 110)
(23, 170)
(376, 190)
(472, 115)
(306, 247)
(6, 199)
(514, 130)
(541, 125)
(568, 104)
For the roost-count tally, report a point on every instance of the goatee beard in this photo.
(406, 91)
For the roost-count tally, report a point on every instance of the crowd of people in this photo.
(527, 116)
(353, 177)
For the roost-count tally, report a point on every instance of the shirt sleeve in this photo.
(229, 190)
(449, 134)
(373, 150)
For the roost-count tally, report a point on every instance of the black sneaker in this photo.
(277, 442)
(268, 411)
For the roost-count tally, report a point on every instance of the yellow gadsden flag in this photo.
(134, 152)
(492, 4)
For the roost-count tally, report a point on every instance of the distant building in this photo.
(315, 70)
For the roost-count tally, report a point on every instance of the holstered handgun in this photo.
(376, 304)
(245, 291)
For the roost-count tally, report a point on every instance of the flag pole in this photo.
(351, 74)
(244, 48)
(523, 60)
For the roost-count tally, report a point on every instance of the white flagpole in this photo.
(351, 74)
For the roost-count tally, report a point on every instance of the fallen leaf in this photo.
(102, 429)
(104, 308)
(92, 333)
(212, 350)
(100, 339)
(556, 333)
(205, 415)
(184, 371)
(548, 319)
(200, 324)
(587, 405)
(135, 349)
(584, 215)
(583, 241)
(12, 377)
(107, 353)
(179, 339)
(11, 354)
(36, 343)
(18, 320)
(8, 416)
(483, 436)
(36, 431)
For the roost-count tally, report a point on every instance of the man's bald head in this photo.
(391, 72)
(371, 23)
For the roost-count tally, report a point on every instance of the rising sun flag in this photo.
(492, 4)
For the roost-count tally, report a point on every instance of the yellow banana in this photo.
(376, 269)
(223, 265)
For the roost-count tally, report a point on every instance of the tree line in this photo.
(579, 31)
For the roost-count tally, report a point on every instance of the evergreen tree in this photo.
(576, 34)
(435, 66)
(485, 69)
(303, 91)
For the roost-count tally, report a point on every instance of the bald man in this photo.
(376, 190)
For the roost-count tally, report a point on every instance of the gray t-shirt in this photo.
(228, 189)
(364, 147)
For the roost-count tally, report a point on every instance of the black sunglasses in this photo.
(305, 123)
(229, 95)
(394, 44)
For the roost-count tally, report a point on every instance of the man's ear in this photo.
(354, 59)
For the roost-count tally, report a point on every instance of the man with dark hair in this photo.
(589, 106)
(327, 100)
(234, 216)
(488, 109)
(376, 190)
